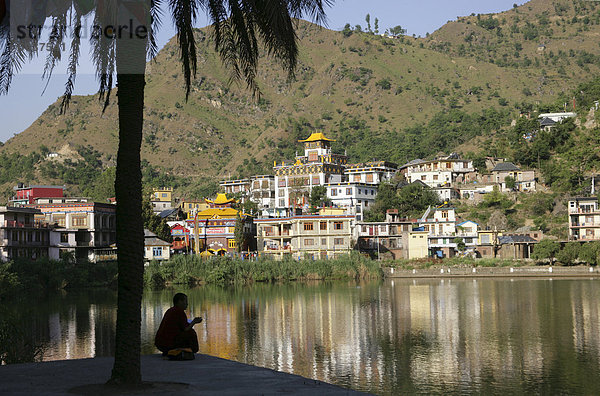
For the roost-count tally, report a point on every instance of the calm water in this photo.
(401, 336)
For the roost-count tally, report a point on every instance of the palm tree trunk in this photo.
(131, 56)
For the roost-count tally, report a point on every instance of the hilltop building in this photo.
(161, 199)
(317, 167)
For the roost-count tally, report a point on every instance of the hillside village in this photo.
(318, 205)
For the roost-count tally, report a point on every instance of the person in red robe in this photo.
(175, 331)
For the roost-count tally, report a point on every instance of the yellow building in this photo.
(417, 244)
(191, 206)
(163, 194)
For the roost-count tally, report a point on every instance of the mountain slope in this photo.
(394, 99)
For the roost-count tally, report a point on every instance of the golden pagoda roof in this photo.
(221, 200)
(317, 136)
(215, 213)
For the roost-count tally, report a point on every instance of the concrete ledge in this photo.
(483, 272)
(206, 375)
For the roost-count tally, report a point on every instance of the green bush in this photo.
(589, 253)
(545, 249)
(569, 253)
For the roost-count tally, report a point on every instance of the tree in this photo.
(460, 244)
(376, 26)
(545, 249)
(510, 182)
(569, 253)
(590, 253)
(415, 198)
(318, 197)
(236, 28)
(368, 20)
(397, 31)
(347, 31)
(386, 199)
(155, 223)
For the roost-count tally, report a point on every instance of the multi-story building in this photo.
(162, 199)
(317, 167)
(439, 172)
(584, 219)
(440, 223)
(308, 236)
(375, 172)
(385, 237)
(25, 195)
(80, 227)
(354, 197)
(241, 186)
(21, 235)
(262, 192)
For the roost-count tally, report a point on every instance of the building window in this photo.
(334, 192)
(309, 242)
(157, 251)
(323, 241)
(359, 191)
(356, 178)
(316, 180)
(338, 225)
(64, 237)
(372, 192)
(338, 241)
(282, 183)
(349, 191)
(444, 215)
(281, 192)
(231, 243)
(370, 178)
(282, 202)
(423, 177)
(164, 195)
(78, 221)
(308, 226)
(323, 226)
(435, 177)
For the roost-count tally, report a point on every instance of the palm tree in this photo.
(240, 29)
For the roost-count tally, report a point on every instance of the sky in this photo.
(25, 102)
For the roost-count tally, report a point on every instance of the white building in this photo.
(371, 172)
(155, 248)
(557, 117)
(262, 192)
(354, 197)
(438, 173)
(584, 219)
(317, 167)
(440, 223)
(21, 236)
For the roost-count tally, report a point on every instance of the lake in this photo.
(393, 336)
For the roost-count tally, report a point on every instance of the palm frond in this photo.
(184, 14)
(12, 57)
(103, 53)
(156, 15)
(73, 62)
(55, 41)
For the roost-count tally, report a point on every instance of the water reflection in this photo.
(405, 336)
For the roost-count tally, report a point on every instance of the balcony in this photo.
(18, 224)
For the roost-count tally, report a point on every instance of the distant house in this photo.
(547, 123)
(524, 180)
(584, 219)
(557, 117)
(155, 248)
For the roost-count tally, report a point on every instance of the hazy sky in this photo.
(25, 102)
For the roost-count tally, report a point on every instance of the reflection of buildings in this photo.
(400, 337)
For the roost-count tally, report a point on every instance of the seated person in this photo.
(174, 330)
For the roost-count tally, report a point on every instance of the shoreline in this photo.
(492, 272)
(204, 375)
